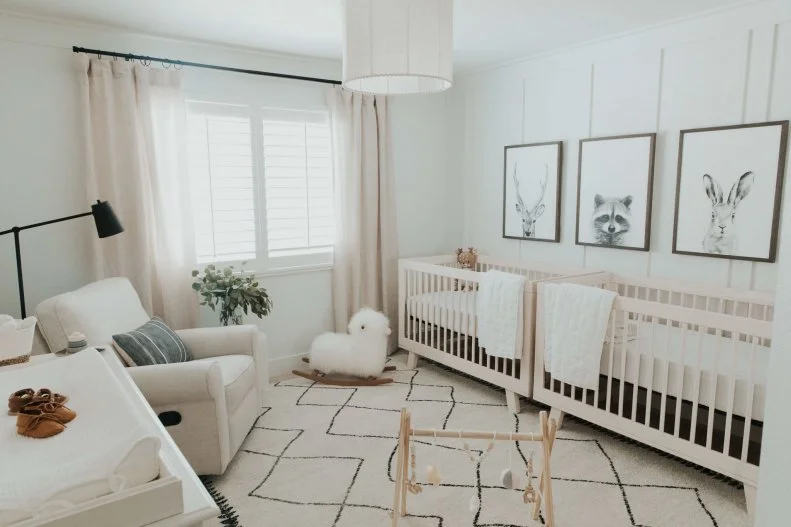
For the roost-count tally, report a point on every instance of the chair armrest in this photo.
(231, 340)
(204, 343)
(184, 382)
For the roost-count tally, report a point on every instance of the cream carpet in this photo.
(324, 457)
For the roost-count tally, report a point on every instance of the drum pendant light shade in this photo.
(394, 47)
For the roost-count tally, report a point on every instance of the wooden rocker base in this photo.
(344, 380)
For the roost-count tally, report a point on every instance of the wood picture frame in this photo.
(615, 204)
(532, 196)
(726, 178)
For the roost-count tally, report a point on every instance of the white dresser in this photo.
(198, 506)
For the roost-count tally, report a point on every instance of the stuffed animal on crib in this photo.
(361, 353)
(467, 259)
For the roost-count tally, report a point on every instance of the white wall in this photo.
(41, 164)
(726, 68)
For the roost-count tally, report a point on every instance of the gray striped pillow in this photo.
(152, 343)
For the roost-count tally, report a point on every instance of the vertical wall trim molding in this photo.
(590, 134)
(660, 80)
(772, 72)
(745, 94)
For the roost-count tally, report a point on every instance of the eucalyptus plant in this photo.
(235, 294)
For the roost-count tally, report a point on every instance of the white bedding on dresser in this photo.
(716, 354)
(107, 448)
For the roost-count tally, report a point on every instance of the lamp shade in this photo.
(394, 47)
(107, 223)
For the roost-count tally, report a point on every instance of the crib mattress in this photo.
(713, 355)
(454, 310)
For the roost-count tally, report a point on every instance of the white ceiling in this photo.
(486, 31)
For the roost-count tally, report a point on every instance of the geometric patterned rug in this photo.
(322, 456)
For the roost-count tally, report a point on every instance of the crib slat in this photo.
(702, 330)
(650, 393)
(613, 316)
(715, 377)
(748, 417)
(680, 394)
(475, 346)
(467, 318)
(636, 386)
(731, 393)
(622, 378)
(666, 377)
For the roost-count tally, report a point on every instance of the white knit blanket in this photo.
(107, 442)
(500, 310)
(575, 324)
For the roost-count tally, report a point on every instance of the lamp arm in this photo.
(42, 223)
(17, 250)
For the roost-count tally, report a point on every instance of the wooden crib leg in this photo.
(750, 495)
(411, 361)
(512, 400)
(557, 415)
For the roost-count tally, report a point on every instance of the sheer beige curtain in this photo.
(365, 272)
(135, 138)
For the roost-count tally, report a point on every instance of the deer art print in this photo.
(530, 214)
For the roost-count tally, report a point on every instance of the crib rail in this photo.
(437, 320)
(681, 370)
(438, 302)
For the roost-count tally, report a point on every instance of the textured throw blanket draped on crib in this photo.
(575, 324)
(500, 310)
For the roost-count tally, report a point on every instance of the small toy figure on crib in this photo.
(362, 352)
(467, 259)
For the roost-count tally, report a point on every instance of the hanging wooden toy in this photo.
(507, 478)
(540, 497)
(413, 486)
(433, 475)
(530, 495)
(477, 459)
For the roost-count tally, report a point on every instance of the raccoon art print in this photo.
(611, 220)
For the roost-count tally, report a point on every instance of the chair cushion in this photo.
(238, 377)
(98, 311)
(152, 343)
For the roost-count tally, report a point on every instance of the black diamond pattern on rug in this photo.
(324, 456)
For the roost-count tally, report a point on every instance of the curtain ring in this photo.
(165, 65)
(178, 66)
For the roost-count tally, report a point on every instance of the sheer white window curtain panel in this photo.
(136, 158)
(365, 271)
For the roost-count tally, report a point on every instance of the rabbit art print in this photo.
(721, 235)
(729, 190)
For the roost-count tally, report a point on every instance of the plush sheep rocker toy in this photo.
(360, 355)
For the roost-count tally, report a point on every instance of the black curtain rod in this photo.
(144, 59)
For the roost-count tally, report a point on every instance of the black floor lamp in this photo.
(107, 225)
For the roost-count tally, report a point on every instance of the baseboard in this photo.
(284, 365)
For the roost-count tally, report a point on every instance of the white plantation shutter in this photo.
(261, 185)
(298, 173)
(222, 180)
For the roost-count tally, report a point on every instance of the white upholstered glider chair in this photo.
(208, 404)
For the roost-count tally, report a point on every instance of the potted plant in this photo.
(236, 294)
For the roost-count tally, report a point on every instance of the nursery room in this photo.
(397, 263)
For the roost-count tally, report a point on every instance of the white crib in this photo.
(437, 305)
(683, 369)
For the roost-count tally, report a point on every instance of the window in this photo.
(298, 174)
(261, 185)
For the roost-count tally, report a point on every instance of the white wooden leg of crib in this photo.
(557, 415)
(512, 400)
(750, 495)
(411, 361)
